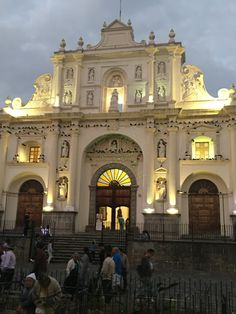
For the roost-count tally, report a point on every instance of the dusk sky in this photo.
(31, 31)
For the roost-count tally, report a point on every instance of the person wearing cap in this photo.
(27, 305)
(8, 263)
(46, 294)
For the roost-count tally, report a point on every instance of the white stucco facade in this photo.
(168, 132)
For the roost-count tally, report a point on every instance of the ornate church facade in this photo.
(121, 129)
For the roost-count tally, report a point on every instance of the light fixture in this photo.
(148, 210)
(48, 208)
(172, 211)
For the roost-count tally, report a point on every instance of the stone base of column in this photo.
(60, 222)
(160, 226)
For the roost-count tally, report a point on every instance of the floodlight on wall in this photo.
(48, 208)
(148, 210)
(172, 211)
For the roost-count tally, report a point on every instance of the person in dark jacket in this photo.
(145, 271)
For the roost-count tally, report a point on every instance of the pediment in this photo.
(116, 35)
(116, 24)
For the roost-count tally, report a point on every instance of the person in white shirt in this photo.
(107, 272)
(72, 274)
(8, 263)
(50, 250)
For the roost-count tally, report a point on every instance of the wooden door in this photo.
(30, 199)
(113, 196)
(204, 208)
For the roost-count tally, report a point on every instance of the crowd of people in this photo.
(42, 293)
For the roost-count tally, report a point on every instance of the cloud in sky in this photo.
(31, 31)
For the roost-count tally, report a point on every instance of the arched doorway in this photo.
(113, 195)
(204, 208)
(30, 200)
(113, 198)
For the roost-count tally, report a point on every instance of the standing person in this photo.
(107, 272)
(92, 251)
(102, 255)
(117, 278)
(50, 251)
(121, 222)
(125, 267)
(26, 305)
(72, 274)
(40, 259)
(26, 224)
(85, 261)
(8, 263)
(46, 295)
(145, 271)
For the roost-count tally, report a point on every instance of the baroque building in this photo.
(120, 128)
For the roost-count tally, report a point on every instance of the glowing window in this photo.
(203, 148)
(34, 154)
(114, 177)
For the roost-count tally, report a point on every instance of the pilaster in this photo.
(3, 155)
(233, 162)
(172, 157)
(148, 171)
(72, 168)
(52, 163)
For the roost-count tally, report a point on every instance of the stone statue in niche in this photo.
(65, 149)
(114, 100)
(160, 189)
(62, 188)
(91, 75)
(138, 72)
(138, 96)
(116, 81)
(69, 74)
(90, 98)
(114, 146)
(68, 97)
(161, 93)
(161, 68)
(161, 149)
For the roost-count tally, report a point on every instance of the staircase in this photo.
(65, 245)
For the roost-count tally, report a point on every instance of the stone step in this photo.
(65, 245)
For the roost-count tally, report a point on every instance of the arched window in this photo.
(114, 177)
(202, 148)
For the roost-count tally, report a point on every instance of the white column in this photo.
(77, 81)
(3, 156)
(16, 156)
(172, 175)
(151, 65)
(52, 165)
(58, 66)
(233, 162)
(42, 157)
(72, 169)
(148, 169)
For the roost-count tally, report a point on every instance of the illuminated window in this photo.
(34, 154)
(203, 148)
(114, 177)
